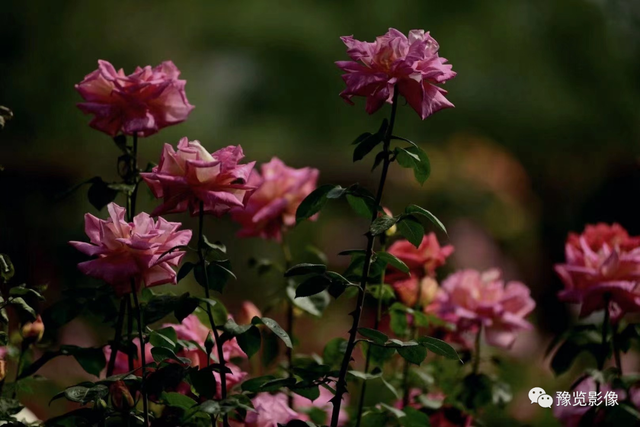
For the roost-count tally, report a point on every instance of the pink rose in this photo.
(602, 267)
(272, 208)
(131, 251)
(323, 402)
(143, 102)
(422, 261)
(191, 175)
(471, 299)
(248, 311)
(411, 65)
(271, 410)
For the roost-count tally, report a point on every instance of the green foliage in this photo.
(579, 339)
(367, 141)
(393, 261)
(92, 360)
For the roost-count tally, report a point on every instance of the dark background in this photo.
(544, 137)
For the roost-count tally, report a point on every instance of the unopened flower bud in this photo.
(3, 369)
(121, 396)
(33, 331)
(247, 312)
(392, 230)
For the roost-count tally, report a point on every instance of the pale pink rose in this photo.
(410, 64)
(471, 299)
(247, 312)
(131, 251)
(272, 208)
(143, 102)
(271, 410)
(191, 175)
(303, 404)
(407, 291)
(122, 359)
(422, 261)
(602, 264)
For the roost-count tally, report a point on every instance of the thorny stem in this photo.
(131, 177)
(286, 252)
(216, 335)
(143, 362)
(376, 325)
(341, 385)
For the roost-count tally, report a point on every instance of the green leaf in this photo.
(416, 159)
(361, 138)
(380, 355)
(275, 328)
(313, 203)
(161, 354)
(84, 394)
(374, 335)
(312, 286)
(382, 224)
(336, 192)
(165, 337)
(204, 382)
(100, 194)
(250, 341)
(439, 347)
(399, 324)
(414, 418)
(253, 385)
(218, 274)
(334, 352)
(23, 308)
(365, 146)
(184, 307)
(393, 261)
(305, 268)
(185, 270)
(311, 392)
(7, 269)
(314, 304)
(177, 400)
(413, 354)
(22, 290)
(362, 207)
(412, 230)
(414, 209)
(92, 360)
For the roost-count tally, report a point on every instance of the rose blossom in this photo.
(191, 175)
(131, 251)
(143, 102)
(247, 312)
(410, 65)
(122, 360)
(422, 261)
(471, 299)
(408, 291)
(270, 411)
(602, 267)
(272, 208)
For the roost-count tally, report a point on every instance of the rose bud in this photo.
(3, 369)
(247, 312)
(33, 331)
(120, 396)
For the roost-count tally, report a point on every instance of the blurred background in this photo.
(544, 138)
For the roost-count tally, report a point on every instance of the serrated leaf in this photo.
(275, 328)
(312, 286)
(412, 230)
(374, 335)
(305, 268)
(439, 347)
(414, 209)
(365, 146)
(413, 354)
(184, 270)
(313, 203)
(393, 261)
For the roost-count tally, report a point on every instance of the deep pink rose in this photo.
(469, 299)
(272, 208)
(271, 410)
(131, 251)
(143, 102)
(422, 261)
(411, 65)
(303, 404)
(602, 264)
(190, 175)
